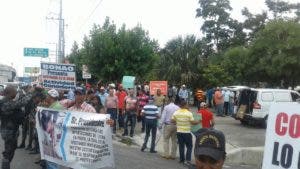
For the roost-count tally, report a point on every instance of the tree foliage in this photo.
(111, 53)
(219, 28)
(275, 53)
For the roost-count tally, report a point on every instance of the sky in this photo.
(25, 23)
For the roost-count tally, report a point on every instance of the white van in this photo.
(254, 104)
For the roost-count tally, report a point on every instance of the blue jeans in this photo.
(219, 109)
(151, 126)
(130, 117)
(185, 139)
(113, 116)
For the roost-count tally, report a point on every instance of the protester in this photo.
(159, 100)
(209, 97)
(89, 95)
(200, 97)
(25, 123)
(121, 94)
(169, 130)
(111, 104)
(150, 113)
(53, 103)
(142, 101)
(31, 108)
(130, 108)
(226, 101)
(102, 94)
(96, 103)
(80, 105)
(184, 119)
(170, 92)
(209, 149)
(219, 101)
(207, 116)
(11, 118)
(183, 93)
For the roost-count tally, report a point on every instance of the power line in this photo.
(88, 18)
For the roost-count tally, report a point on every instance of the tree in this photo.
(234, 63)
(253, 23)
(182, 61)
(215, 75)
(275, 54)
(219, 29)
(110, 53)
(280, 7)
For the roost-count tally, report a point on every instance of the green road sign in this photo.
(36, 52)
(32, 70)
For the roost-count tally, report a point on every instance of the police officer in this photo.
(10, 121)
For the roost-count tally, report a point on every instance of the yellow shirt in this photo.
(183, 118)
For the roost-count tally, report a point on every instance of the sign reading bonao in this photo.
(58, 76)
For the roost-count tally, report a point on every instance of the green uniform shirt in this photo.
(197, 117)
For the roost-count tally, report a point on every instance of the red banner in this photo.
(162, 85)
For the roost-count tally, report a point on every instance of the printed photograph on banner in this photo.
(75, 139)
(50, 122)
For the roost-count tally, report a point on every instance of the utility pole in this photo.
(61, 36)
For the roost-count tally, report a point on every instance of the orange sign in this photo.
(162, 85)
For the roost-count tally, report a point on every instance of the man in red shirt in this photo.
(207, 116)
(121, 94)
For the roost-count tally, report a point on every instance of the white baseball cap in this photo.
(202, 104)
(53, 93)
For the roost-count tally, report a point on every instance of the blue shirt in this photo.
(103, 97)
(150, 111)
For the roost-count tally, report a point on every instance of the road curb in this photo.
(246, 155)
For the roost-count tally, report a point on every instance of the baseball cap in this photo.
(79, 90)
(53, 93)
(202, 104)
(210, 142)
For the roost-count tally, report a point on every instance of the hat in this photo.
(53, 93)
(183, 85)
(210, 142)
(79, 90)
(112, 85)
(202, 104)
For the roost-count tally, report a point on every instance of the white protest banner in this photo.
(78, 140)
(58, 76)
(282, 146)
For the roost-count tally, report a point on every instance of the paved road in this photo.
(125, 158)
(239, 135)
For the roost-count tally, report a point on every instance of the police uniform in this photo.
(10, 122)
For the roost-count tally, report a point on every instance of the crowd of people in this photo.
(126, 108)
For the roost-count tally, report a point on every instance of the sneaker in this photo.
(187, 163)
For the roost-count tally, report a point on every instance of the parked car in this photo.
(254, 104)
